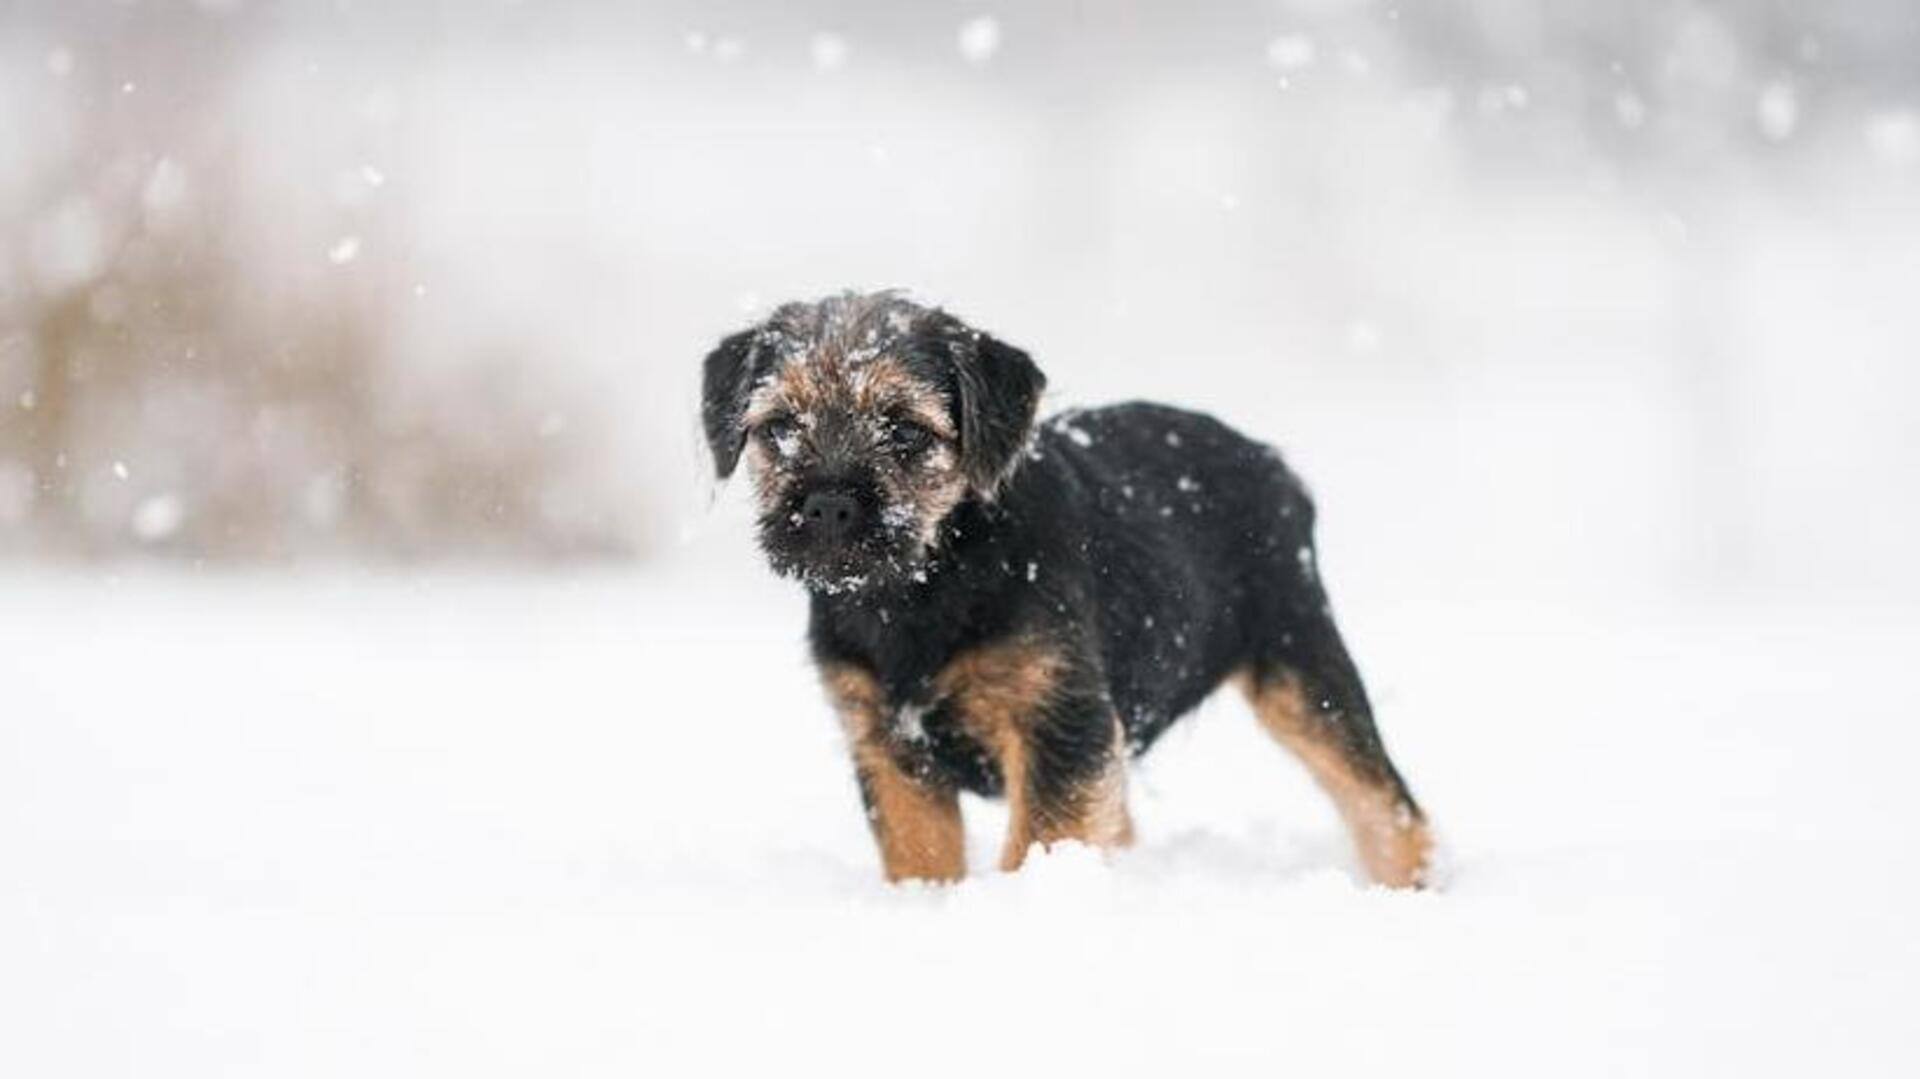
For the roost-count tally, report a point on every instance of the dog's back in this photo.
(1198, 545)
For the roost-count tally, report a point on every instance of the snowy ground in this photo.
(599, 825)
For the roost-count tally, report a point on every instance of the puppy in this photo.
(1016, 610)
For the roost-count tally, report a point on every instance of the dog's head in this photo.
(865, 420)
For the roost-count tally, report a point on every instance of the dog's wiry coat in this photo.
(1013, 608)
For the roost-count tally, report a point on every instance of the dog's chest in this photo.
(930, 738)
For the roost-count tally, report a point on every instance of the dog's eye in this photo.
(909, 439)
(777, 430)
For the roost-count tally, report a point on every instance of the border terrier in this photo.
(1016, 609)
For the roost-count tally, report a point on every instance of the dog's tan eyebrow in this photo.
(885, 385)
(880, 386)
(795, 387)
(933, 416)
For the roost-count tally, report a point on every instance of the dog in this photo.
(1015, 608)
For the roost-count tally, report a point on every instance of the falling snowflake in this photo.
(1894, 137)
(829, 51)
(1291, 52)
(158, 517)
(1629, 109)
(1778, 111)
(979, 39)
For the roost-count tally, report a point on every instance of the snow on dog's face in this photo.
(865, 420)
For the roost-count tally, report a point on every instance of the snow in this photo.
(1895, 137)
(1778, 111)
(602, 825)
(910, 722)
(68, 246)
(1291, 52)
(166, 188)
(1495, 99)
(1630, 108)
(1363, 337)
(829, 51)
(722, 47)
(158, 517)
(1523, 316)
(979, 39)
(16, 492)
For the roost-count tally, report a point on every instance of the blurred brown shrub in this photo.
(167, 385)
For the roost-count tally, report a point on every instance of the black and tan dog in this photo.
(1015, 610)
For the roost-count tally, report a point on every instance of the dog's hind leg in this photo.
(1308, 696)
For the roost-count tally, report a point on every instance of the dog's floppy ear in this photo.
(997, 390)
(723, 404)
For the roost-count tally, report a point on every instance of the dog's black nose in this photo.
(830, 516)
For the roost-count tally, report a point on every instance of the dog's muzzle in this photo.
(830, 518)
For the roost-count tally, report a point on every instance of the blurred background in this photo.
(387, 687)
(1607, 297)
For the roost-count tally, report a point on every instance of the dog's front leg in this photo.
(915, 821)
(1066, 780)
(1038, 710)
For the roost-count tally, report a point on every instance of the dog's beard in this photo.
(891, 551)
